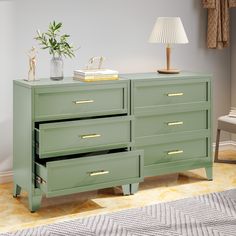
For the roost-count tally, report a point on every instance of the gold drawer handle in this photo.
(175, 123)
(175, 94)
(175, 152)
(90, 136)
(100, 172)
(83, 101)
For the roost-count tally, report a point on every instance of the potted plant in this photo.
(58, 47)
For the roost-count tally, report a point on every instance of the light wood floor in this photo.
(15, 215)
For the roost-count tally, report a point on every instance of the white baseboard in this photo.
(226, 145)
(6, 177)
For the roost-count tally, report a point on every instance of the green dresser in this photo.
(71, 136)
(172, 121)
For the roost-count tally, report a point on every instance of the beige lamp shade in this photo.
(168, 30)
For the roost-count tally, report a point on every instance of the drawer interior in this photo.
(44, 161)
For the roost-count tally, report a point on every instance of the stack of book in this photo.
(232, 112)
(95, 75)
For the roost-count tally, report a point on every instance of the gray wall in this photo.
(233, 61)
(116, 29)
(7, 65)
(233, 58)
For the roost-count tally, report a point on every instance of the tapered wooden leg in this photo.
(35, 202)
(217, 145)
(209, 172)
(126, 189)
(134, 188)
(16, 190)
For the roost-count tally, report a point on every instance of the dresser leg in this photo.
(16, 190)
(34, 202)
(217, 145)
(126, 189)
(209, 173)
(134, 188)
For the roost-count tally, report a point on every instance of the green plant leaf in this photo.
(56, 44)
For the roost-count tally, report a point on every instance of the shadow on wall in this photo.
(6, 145)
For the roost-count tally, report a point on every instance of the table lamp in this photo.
(168, 30)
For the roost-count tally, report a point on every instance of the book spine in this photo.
(95, 73)
(95, 79)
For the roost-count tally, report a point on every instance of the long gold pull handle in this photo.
(83, 102)
(175, 152)
(100, 172)
(90, 136)
(174, 94)
(175, 123)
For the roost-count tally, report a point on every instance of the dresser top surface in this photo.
(68, 81)
(157, 76)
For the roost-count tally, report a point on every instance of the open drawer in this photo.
(68, 176)
(80, 136)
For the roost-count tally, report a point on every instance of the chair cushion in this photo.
(227, 123)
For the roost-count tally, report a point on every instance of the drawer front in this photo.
(61, 138)
(71, 102)
(171, 123)
(92, 172)
(149, 94)
(172, 152)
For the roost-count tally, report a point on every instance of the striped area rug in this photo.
(212, 214)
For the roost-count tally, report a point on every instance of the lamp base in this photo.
(170, 71)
